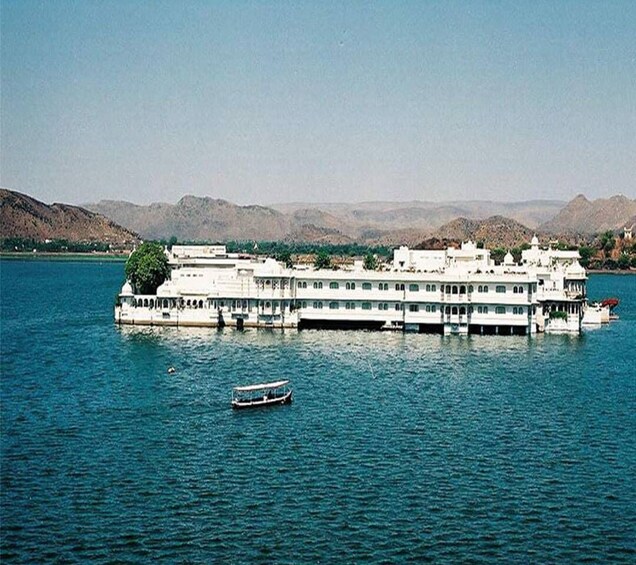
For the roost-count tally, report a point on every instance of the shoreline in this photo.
(94, 256)
(97, 256)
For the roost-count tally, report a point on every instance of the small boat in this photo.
(266, 394)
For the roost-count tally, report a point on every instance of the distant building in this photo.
(452, 291)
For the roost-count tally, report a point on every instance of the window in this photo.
(470, 288)
(366, 286)
(462, 289)
(304, 304)
(433, 308)
(518, 310)
(302, 284)
(397, 286)
(454, 289)
(318, 284)
(414, 307)
(501, 289)
(383, 286)
(333, 306)
(428, 288)
(454, 311)
(334, 285)
(428, 307)
(462, 311)
(384, 306)
(414, 288)
(500, 310)
(317, 305)
(350, 305)
(366, 305)
(398, 307)
(350, 286)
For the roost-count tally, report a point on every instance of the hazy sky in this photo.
(260, 102)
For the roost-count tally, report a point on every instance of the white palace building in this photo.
(454, 291)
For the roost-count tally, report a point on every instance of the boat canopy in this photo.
(263, 386)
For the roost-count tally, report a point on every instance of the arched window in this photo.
(447, 309)
(462, 311)
(334, 285)
(366, 286)
(470, 288)
(448, 289)
(145, 303)
(200, 303)
(334, 306)
(414, 287)
(454, 289)
(454, 311)
(462, 289)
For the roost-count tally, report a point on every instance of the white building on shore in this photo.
(454, 291)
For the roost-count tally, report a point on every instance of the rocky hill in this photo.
(25, 217)
(583, 216)
(196, 218)
(423, 215)
(495, 231)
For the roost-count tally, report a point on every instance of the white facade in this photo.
(454, 291)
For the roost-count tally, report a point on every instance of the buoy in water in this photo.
(171, 370)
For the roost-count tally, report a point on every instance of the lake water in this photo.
(398, 448)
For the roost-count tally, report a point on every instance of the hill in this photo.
(22, 216)
(495, 231)
(198, 218)
(583, 216)
(203, 218)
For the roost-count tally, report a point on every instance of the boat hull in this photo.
(261, 403)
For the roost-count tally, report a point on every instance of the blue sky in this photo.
(261, 102)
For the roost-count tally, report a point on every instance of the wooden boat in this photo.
(266, 394)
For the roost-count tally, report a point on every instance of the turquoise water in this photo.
(397, 448)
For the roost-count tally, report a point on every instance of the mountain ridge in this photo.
(23, 216)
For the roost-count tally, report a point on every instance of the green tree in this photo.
(323, 260)
(498, 254)
(286, 258)
(370, 262)
(623, 261)
(586, 252)
(172, 241)
(147, 268)
(608, 241)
